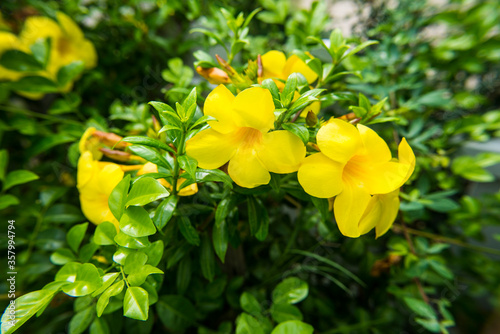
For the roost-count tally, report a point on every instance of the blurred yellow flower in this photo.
(241, 137)
(9, 41)
(150, 167)
(95, 182)
(68, 43)
(354, 164)
(277, 66)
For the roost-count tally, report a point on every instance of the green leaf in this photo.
(138, 276)
(359, 48)
(4, 162)
(304, 100)
(290, 291)
(26, 306)
(183, 274)
(103, 300)
(118, 197)
(19, 61)
(145, 191)
(155, 252)
(107, 280)
(420, 307)
(165, 211)
(250, 304)
(8, 200)
(188, 231)
(336, 40)
(105, 234)
(322, 205)
(99, 326)
(246, 324)
(275, 93)
(285, 312)
(134, 261)
(146, 141)
(136, 303)
(188, 164)
(220, 238)
(62, 256)
(127, 241)
(136, 223)
(81, 320)
(207, 258)
(432, 325)
(70, 72)
(86, 280)
(175, 312)
(41, 51)
(258, 218)
(215, 175)
(75, 236)
(289, 90)
(34, 84)
(442, 205)
(189, 104)
(150, 154)
(293, 327)
(18, 177)
(299, 130)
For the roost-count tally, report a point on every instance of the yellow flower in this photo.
(354, 164)
(150, 167)
(241, 136)
(9, 41)
(380, 213)
(275, 65)
(68, 43)
(95, 181)
(90, 143)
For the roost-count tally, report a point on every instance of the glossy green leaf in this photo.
(138, 276)
(18, 177)
(246, 324)
(103, 300)
(136, 303)
(188, 164)
(105, 234)
(86, 281)
(145, 191)
(293, 326)
(215, 175)
(118, 197)
(291, 290)
(127, 241)
(299, 130)
(75, 236)
(154, 252)
(107, 280)
(285, 312)
(289, 90)
(146, 141)
(165, 211)
(81, 320)
(8, 200)
(150, 154)
(136, 223)
(220, 239)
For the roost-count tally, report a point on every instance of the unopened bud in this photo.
(110, 139)
(214, 75)
(311, 119)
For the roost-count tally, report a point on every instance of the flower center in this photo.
(63, 45)
(355, 168)
(248, 137)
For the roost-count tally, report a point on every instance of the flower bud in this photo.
(214, 75)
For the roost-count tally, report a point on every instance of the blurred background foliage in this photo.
(437, 63)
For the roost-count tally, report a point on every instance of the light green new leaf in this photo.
(26, 306)
(136, 303)
(103, 301)
(18, 177)
(138, 276)
(246, 324)
(107, 280)
(8, 200)
(146, 190)
(290, 291)
(105, 234)
(285, 312)
(293, 326)
(250, 304)
(118, 197)
(85, 278)
(127, 241)
(136, 223)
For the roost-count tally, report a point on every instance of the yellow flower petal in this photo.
(349, 207)
(219, 104)
(88, 54)
(320, 176)
(273, 63)
(339, 140)
(211, 149)
(246, 170)
(315, 107)
(375, 147)
(69, 26)
(255, 107)
(89, 143)
(281, 152)
(390, 207)
(109, 177)
(296, 65)
(86, 169)
(407, 157)
(96, 209)
(36, 27)
(380, 213)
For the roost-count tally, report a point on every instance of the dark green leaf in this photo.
(165, 211)
(299, 130)
(207, 258)
(175, 312)
(19, 61)
(18, 177)
(70, 72)
(188, 231)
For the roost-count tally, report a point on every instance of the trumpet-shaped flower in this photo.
(150, 167)
(95, 182)
(355, 164)
(241, 137)
(68, 43)
(277, 66)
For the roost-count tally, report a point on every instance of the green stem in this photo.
(124, 276)
(180, 151)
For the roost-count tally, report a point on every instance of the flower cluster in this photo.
(96, 179)
(67, 45)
